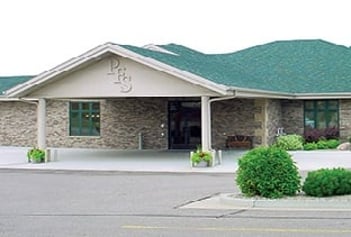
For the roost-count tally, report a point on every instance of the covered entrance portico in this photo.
(134, 97)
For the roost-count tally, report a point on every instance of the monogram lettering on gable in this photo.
(119, 75)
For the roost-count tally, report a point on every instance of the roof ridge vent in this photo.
(158, 49)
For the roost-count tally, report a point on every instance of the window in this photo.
(84, 119)
(321, 114)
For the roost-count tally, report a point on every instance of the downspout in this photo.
(209, 115)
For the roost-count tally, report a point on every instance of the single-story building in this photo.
(173, 97)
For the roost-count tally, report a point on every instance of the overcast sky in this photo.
(37, 35)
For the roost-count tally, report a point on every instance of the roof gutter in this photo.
(323, 96)
(30, 101)
(252, 93)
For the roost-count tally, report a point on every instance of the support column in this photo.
(205, 114)
(261, 121)
(41, 123)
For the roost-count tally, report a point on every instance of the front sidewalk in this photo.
(156, 160)
(116, 160)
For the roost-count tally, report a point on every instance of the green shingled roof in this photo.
(297, 66)
(11, 81)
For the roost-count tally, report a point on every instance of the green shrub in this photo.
(322, 144)
(268, 172)
(333, 143)
(328, 182)
(310, 146)
(36, 155)
(199, 156)
(290, 142)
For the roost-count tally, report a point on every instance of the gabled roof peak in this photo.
(158, 49)
(180, 49)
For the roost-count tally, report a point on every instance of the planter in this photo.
(202, 158)
(36, 155)
(35, 161)
(202, 164)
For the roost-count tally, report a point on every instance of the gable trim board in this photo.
(96, 54)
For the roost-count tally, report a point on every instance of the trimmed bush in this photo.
(333, 143)
(268, 172)
(310, 146)
(290, 142)
(322, 144)
(328, 182)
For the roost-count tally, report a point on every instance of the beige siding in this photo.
(133, 80)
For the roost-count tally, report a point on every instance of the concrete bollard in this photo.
(47, 155)
(55, 155)
(219, 157)
(213, 158)
(191, 162)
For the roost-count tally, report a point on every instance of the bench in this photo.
(239, 141)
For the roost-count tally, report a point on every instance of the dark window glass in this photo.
(321, 114)
(84, 119)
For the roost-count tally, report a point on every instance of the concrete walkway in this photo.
(115, 160)
(156, 161)
(178, 161)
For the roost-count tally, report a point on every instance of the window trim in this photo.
(315, 110)
(80, 111)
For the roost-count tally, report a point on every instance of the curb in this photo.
(342, 203)
(98, 171)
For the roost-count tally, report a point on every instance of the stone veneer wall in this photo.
(231, 117)
(292, 116)
(57, 124)
(121, 122)
(345, 119)
(18, 123)
(274, 119)
(57, 127)
(123, 119)
(126, 118)
(259, 113)
(259, 118)
(268, 118)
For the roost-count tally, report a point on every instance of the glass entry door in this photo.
(184, 124)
